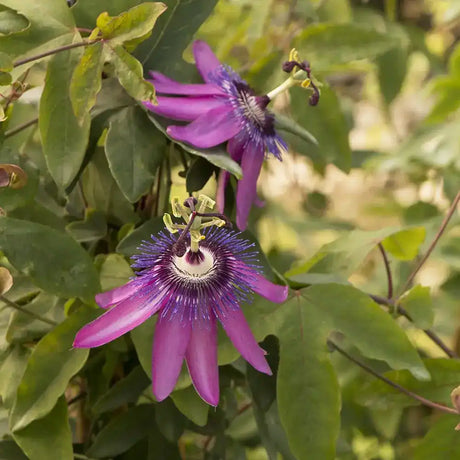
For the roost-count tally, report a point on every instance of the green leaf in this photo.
(142, 337)
(445, 375)
(163, 50)
(343, 256)
(87, 80)
(169, 420)
(114, 271)
(417, 302)
(191, 405)
(326, 123)
(54, 260)
(405, 244)
(6, 63)
(217, 155)
(64, 139)
(102, 192)
(123, 432)
(354, 313)
(441, 442)
(135, 23)
(327, 44)
(128, 245)
(391, 71)
(24, 328)
(51, 25)
(284, 123)
(134, 150)
(308, 391)
(49, 437)
(126, 390)
(12, 370)
(50, 367)
(9, 450)
(93, 228)
(11, 22)
(198, 174)
(129, 73)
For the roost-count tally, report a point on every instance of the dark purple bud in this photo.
(288, 66)
(190, 202)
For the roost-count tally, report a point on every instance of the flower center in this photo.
(253, 107)
(191, 265)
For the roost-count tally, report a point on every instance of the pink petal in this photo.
(205, 60)
(109, 298)
(169, 344)
(235, 148)
(246, 191)
(167, 85)
(210, 129)
(201, 359)
(184, 108)
(125, 316)
(220, 192)
(274, 292)
(237, 328)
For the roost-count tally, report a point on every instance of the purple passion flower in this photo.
(190, 293)
(224, 108)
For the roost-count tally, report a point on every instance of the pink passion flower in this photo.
(191, 287)
(223, 109)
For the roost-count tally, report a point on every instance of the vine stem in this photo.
(20, 128)
(433, 244)
(54, 51)
(387, 269)
(14, 305)
(403, 312)
(396, 386)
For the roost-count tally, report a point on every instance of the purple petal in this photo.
(210, 129)
(184, 108)
(201, 359)
(169, 344)
(167, 85)
(220, 192)
(205, 60)
(274, 292)
(109, 298)
(237, 328)
(235, 148)
(246, 191)
(117, 321)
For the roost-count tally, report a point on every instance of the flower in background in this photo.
(224, 108)
(192, 280)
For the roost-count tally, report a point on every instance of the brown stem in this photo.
(403, 312)
(441, 230)
(387, 269)
(20, 128)
(54, 51)
(396, 386)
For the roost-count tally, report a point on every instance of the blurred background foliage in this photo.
(386, 168)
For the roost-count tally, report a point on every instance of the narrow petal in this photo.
(246, 191)
(237, 329)
(167, 85)
(184, 108)
(169, 344)
(109, 298)
(201, 359)
(274, 292)
(117, 321)
(235, 148)
(205, 60)
(210, 129)
(220, 192)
